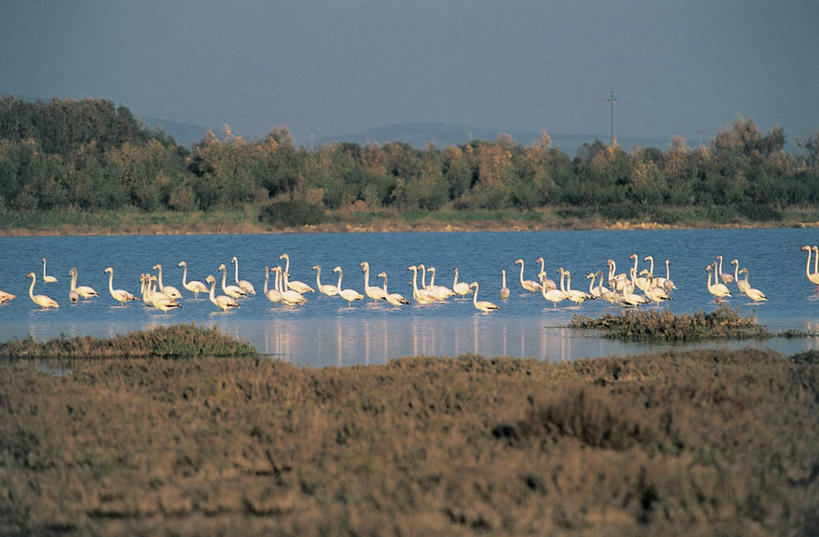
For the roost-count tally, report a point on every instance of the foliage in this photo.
(292, 213)
(90, 156)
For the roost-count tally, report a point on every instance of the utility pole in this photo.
(612, 100)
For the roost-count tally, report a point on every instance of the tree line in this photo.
(89, 155)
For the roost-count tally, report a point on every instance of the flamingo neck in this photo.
(521, 272)
(73, 281)
(503, 277)
(236, 271)
(266, 280)
(31, 287)
(475, 296)
(318, 277)
(111, 282)
(340, 275)
(184, 275)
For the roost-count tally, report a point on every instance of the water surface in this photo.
(326, 331)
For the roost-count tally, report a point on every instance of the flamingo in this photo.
(46, 278)
(347, 294)
(718, 289)
(273, 295)
(233, 291)
(742, 285)
(375, 293)
(553, 295)
(482, 305)
(504, 292)
(754, 294)
(441, 291)
(395, 299)
(668, 283)
(628, 296)
(616, 281)
(83, 290)
(325, 289)
(545, 281)
(813, 277)
(246, 286)
(527, 285)
(420, 296)
(194, 286)
(296, 285)
(726, 278)
(43, 301)
(290, 296)
(224, 303)
(640, 282)
(159, 300)
(460, 288)
(658, 281)
(6, 297)
(575, 295)
(655, 292)
(120, 295)
(169, 290)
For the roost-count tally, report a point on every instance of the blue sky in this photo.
(332, 67)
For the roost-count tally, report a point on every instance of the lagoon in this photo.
(326, 332)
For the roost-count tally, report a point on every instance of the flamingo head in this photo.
(234, 259)
(364, 265)
(222, 267)
(157, 267)
(382, 275)
(735, 261)
(316, 267)
(109, 269)
(337, 269)
(181, 264)
(590, 275)
(431, 269)
(210, 279)
(284, 256)
(806, 247)
(648, 257)
(518, 261)
(30, 275)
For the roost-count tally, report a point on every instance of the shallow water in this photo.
(326, 331)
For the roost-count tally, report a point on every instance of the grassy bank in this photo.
(247, 220)
(704, 442)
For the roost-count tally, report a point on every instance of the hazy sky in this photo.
(333, 67)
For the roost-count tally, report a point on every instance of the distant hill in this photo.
(442, 134)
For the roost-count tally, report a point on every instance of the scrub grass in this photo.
(706, 442)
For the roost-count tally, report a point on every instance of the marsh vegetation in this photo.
(708, 442)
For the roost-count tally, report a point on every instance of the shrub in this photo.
(292, 213)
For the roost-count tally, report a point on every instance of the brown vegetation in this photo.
(663, 325)
(706, 442)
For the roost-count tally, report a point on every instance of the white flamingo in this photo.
(554, 295)
(504, 291)
(290, 296)
(120, 295)
(441, 291)
(246, 286)
(84, 291)
(273, 295)
(528, 285)
(420, 296)
(742, 285)
(813, 277)
(575, 295)
(194, 286)
(46, 278)
(719, 290)
(233, 291)
(375, 293)
(159, 299)
(324, 288)
(546, 282)
(754, 294)
(169, 290)
(396, 299)
(460, 288)
(6, 297)
(482, 305)
(296, 285)
(224, 303)
(726, 278)
(347, 294)
(43, 301)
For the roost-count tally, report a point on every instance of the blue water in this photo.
(326, 331)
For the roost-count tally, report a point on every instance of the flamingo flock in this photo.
(635, 287)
